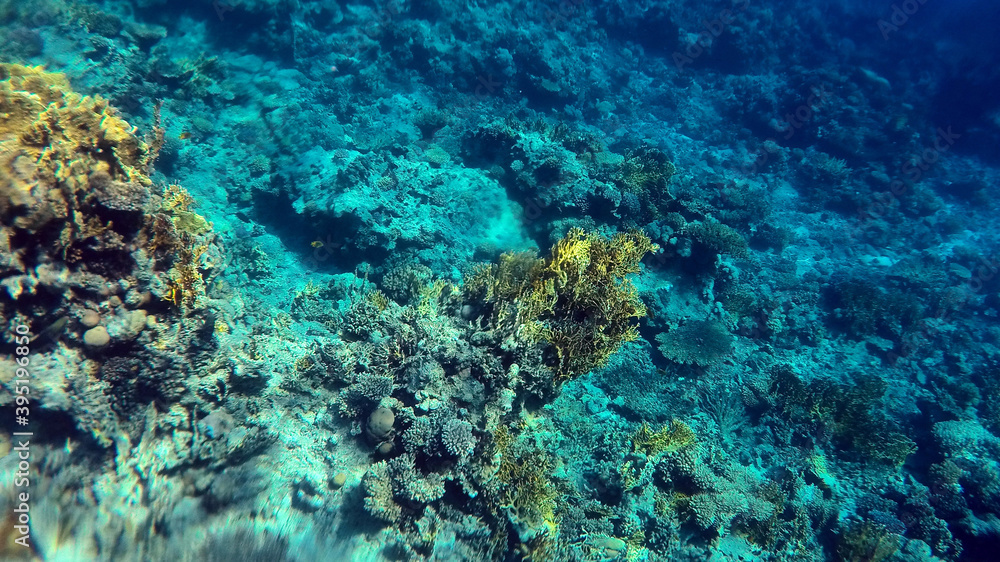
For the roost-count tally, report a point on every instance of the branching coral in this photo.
(186, 287)
(718, 238)
(578, 300)
(648, 446)
(378, 299)
(379, 500)
(866, 541)
(645, 174)
(458, 438)
(864, 307)
(524, 487)
(177, 203)
(389, 485)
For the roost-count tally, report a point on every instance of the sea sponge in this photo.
(338, 480)
(90, 318)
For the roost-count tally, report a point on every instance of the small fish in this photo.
(316, 244)
(184, 135)
(53, 329)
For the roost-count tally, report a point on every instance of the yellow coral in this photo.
(630, 474)
(527, 488)
(570, 256)
(176, 203)
(430, 296)
(53, 142)
(505, 280)
(587, 299)
(303, 363)
(378, 299)
(673, 437)
(578, 300)
(57, 126)
(307, 294)
(186, 287)
(646, 171)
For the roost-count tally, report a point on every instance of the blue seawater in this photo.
(566, 280)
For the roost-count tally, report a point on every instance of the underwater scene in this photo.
(553, 280)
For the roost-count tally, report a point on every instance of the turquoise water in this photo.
(429, 280)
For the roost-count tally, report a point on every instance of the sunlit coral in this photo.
(578, 300)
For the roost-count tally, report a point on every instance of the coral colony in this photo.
(425, 280)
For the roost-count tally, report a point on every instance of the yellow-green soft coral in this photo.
(578, 300)
(54, 144)
(73, 178)
(43, 119)
(673, 437)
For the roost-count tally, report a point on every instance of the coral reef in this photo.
(566, 282)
